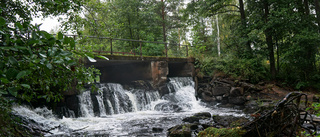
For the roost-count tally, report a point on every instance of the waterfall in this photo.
(115, 111)
(86, 106)
(112, 99)
(101, 104)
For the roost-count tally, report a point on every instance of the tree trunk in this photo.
(163, 22)
(306, 7)
(268, 33)
(244, 25)
(317, 7)
(218, 35)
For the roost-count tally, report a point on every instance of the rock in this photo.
(180, 131)
(236, 91)
(219, 98)
(207, 93)
(203, 115)
(184, 130)
(219, 91)
(229, 121)
(206, 98)
(191, 119)
(237, 100)
(157, 130)
(249, 87)
(231, 83)
(196, 117)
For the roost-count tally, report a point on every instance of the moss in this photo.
(222, 132)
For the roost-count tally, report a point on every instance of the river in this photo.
(126, 112)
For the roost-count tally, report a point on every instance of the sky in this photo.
(47, 24)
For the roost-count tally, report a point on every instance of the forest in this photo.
(252, 40)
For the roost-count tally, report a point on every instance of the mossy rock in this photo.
(196, 117)
(184, 130)
(229, 121)
(222, 132)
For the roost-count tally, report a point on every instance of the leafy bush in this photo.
(152, 49)
(38, 66)
(205, 65)
(250, 69)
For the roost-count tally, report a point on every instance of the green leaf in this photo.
(43, 55)
(2, 92)
(4, 80)
(11, 73)
(102, 57)
(49, 66)
(21, 74)
(91, 59)
(58, 61)
(18, 25)
(72, 43)
(25, 86)
(60, 36)
(13, 91)
(2, 65)
(34, 35)
(2, 21)
(71, 62)
(13, 61)
(66, 40)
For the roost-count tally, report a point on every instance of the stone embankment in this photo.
(262, 102)
(226, 91)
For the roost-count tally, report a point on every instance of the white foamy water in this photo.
(129, 113)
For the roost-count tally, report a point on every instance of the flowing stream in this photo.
(120, 112)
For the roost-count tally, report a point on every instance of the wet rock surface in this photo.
(200, 121)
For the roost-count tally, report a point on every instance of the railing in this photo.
(179, 48)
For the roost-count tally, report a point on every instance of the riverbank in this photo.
(262, 102)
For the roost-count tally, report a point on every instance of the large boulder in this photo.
(180, 131)
(237, 100)
(236, 91)
(197, 117)
(207, 97)
(219, 91)
(229, 121)
(185, 130)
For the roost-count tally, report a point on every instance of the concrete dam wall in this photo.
(157, 70)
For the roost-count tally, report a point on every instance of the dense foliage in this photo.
(146, 20)
(36, 66)
(280, 35)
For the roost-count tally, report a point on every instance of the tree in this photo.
(35, 65)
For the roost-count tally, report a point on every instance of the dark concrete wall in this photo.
(126, 70)
(122, 71)
(181, 69)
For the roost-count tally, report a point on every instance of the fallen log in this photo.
(283, 120)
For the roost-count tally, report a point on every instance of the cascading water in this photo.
(114, 111)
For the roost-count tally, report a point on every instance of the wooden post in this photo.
(187, 50)
(140, 48)
(166, 49)
(111, 46)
